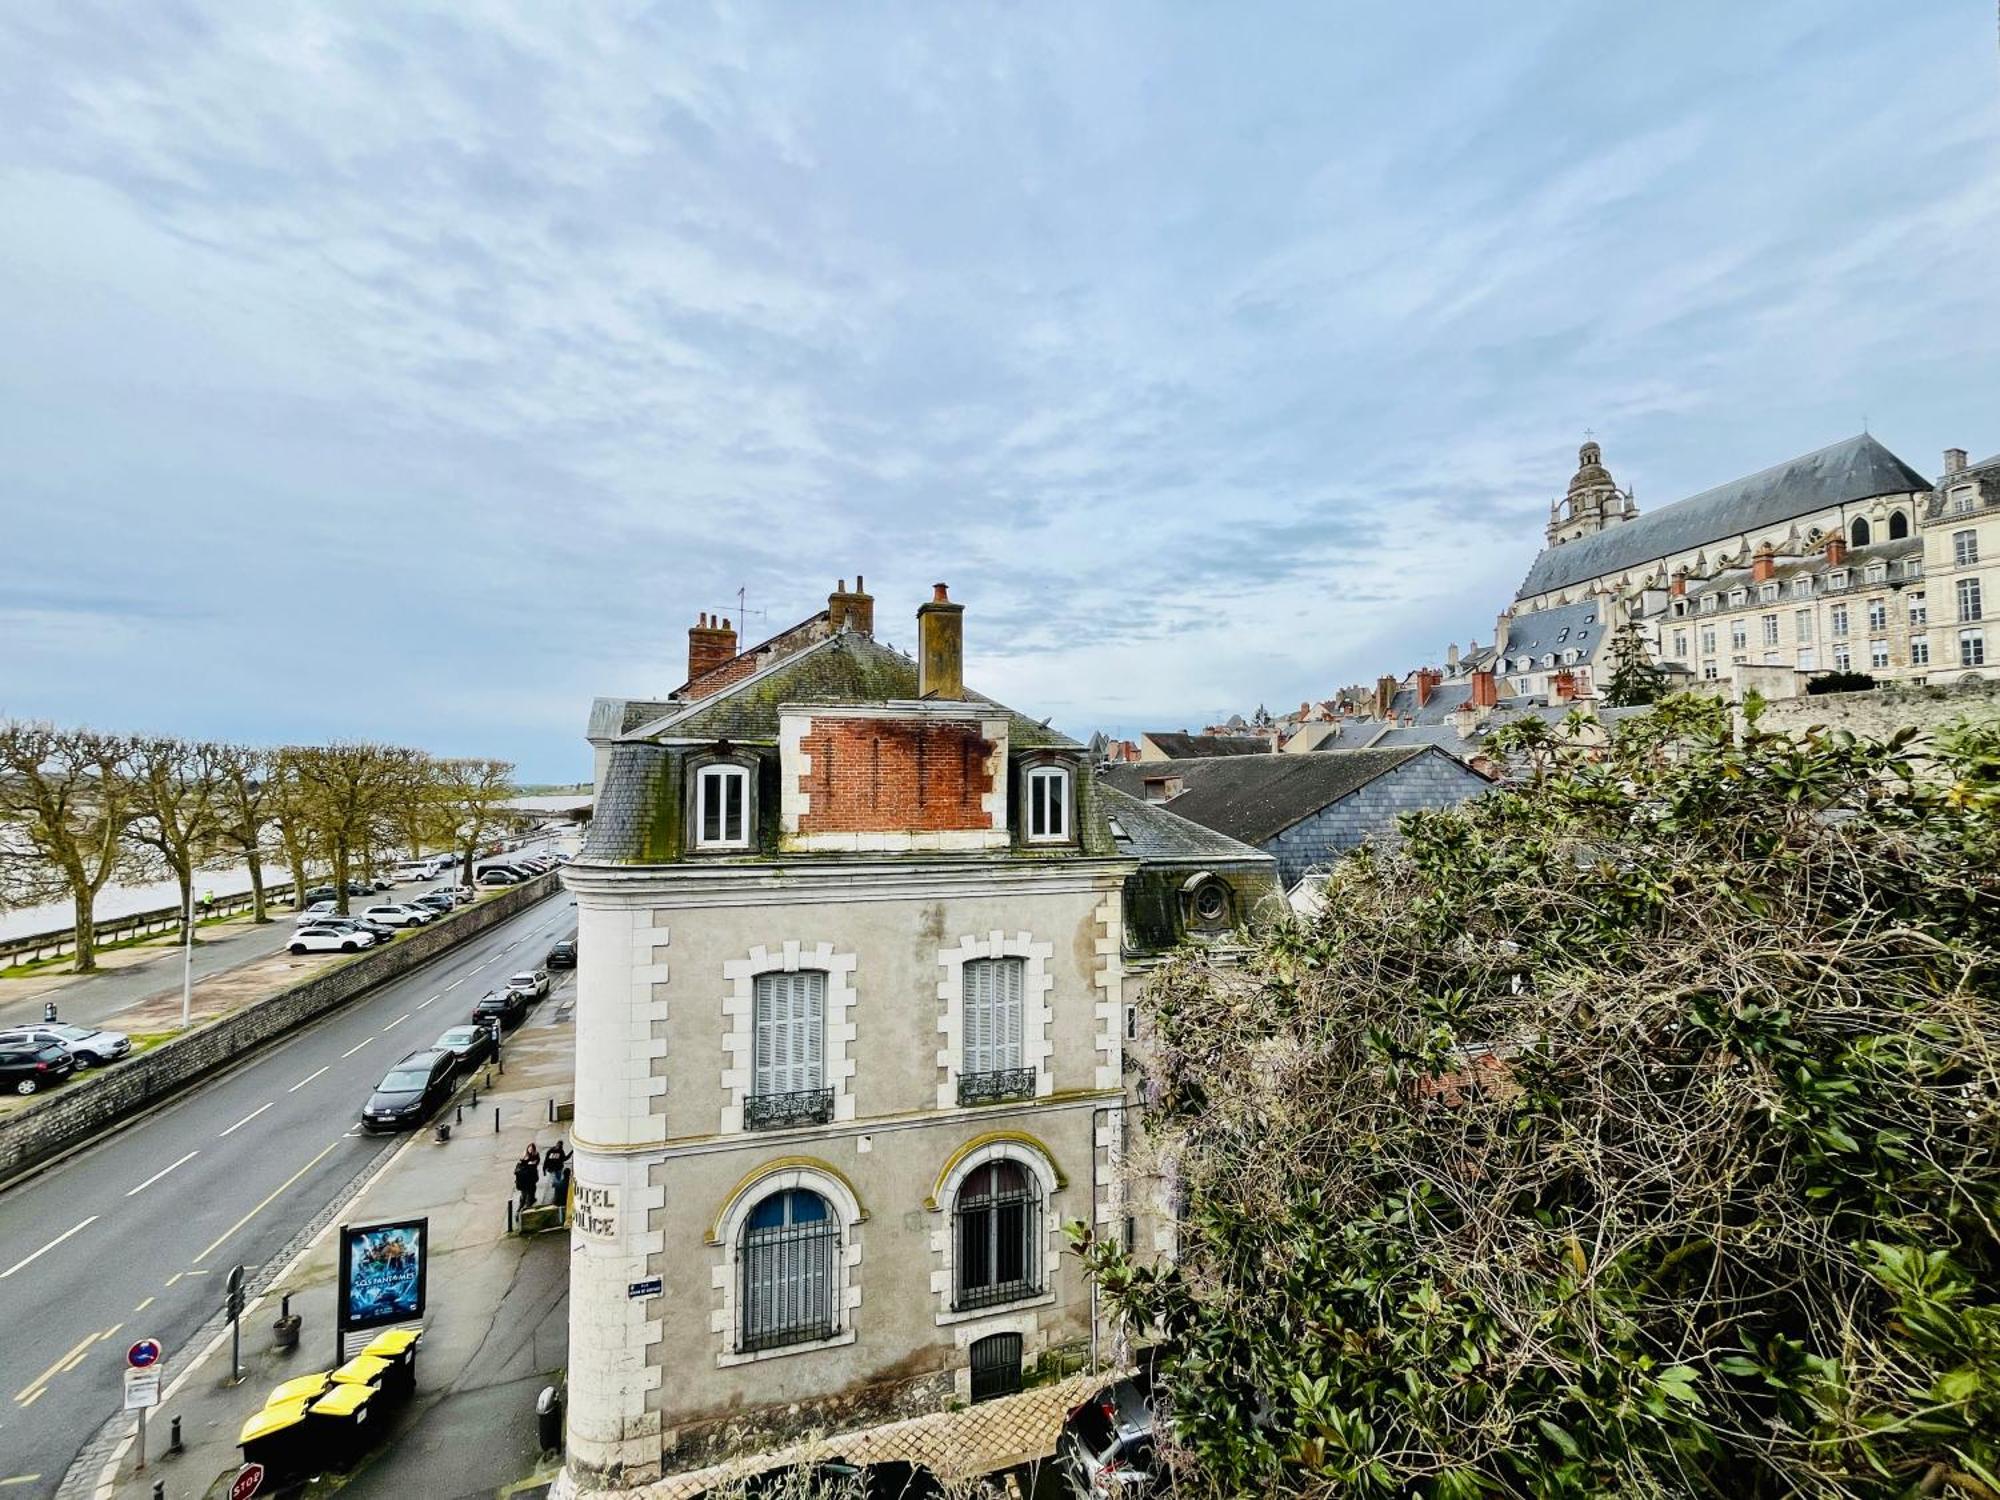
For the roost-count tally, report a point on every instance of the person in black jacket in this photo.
(526, 1178)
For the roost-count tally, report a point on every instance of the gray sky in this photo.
(417, 372)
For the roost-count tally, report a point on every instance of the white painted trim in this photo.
(702, 776)
(794, 882)
(1109, 1010)
(943, 1250)
(722, 1271)
(1038, 1009)
(739, 1008)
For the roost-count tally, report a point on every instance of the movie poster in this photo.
(382, 1273)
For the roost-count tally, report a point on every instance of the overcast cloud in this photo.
(418, 372)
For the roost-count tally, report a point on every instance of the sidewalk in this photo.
(496, 1329)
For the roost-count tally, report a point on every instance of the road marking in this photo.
(143, 1305)
(61, 1359)
(257, 1111)
(28, 1401)
(217, 1242)
(18, 1478)
(456, 982)
(77, 1358)
(397, 1022)
(175, 1277)
(432, 1001)
(29, 1260)
(306, 1080)
(134, 1192)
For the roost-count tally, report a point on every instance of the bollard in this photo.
(159, 1489)
(510, 1215)
(458, 1114)
(49, 1011)
(496, 1119)
(174, 1437)
(552, 1109)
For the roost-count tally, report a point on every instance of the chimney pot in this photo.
(850, 611)
(938, 594)
(940, 647)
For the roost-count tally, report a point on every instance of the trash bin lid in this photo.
(273, 1418)
(302, 1388)
(363, 1369)
(343, 1400)
(393, 1343)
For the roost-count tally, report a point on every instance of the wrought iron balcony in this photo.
(993, 1088)
(804, 1107)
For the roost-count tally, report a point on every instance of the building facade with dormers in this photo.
(858, 956)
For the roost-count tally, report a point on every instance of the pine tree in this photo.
(1635, 678)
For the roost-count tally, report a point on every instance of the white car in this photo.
(391, 914)
(331, 940)
(319, 911)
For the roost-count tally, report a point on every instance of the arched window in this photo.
(997, 1235)
(785, 1271)
(1858, 533)
(1899, 525)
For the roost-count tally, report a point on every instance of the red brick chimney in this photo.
(1763, 565)
(1836, 550)
(710, 644)
(1564, 682)
(1679, 586)
(1485, 691)
(853, 611)
(1427, 680)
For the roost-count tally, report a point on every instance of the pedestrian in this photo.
(535, 1156)
(525, 1178)
(555, 1166)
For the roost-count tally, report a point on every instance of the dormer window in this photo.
(1837, 579)
(722, 807)
(1048, 804)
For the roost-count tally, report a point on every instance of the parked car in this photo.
(437, 901)
(464, 895)
(506, 1004)
(563, 955)
(471, 1045)
(321, 893)
(318, 911)
(411, 1091)
(28, 1069)
(534, 983)
(90, 1047)
(498, 878)
(360, 888)
(1106, 1446)
(397, 914)
(330, 940)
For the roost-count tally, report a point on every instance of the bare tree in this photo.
(180, 817)
(348, 790)
(246, 797)
(473, 795)
(67, 799)
(291, 815)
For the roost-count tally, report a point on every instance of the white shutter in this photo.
(1008, 976)
(979, 1016)
(770, 994)
(811, 1029)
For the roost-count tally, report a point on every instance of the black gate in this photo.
(996, 1366)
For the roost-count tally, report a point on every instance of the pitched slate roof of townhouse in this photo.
(1859, 468)
(844, 668)
(1187, 746)
(1580, 627)
(1445, 698)
(1155, 833)
(1255, 798)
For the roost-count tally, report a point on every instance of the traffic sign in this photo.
(249, 1479)
(142, 1388)
(144, 1354)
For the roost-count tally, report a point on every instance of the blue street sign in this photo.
(145, 1352)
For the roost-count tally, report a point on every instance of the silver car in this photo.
(90, 1047)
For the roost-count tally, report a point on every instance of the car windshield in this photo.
(458, 1036)
(406, 1080)
(70, 1033)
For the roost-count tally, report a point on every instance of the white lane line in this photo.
(254, 1113)
(456, 983)
(306, 1080)
(357, 1047)
(433, 1000)
(29, 1260)
(397, 1022)
(134, 1192)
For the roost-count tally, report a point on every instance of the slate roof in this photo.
(1859, 468)
(1446, 697)
(1565, 627)
(1255, 798)
(1417, 736)
(611, 717)
(1189, 746)
(845, 668)
(1153, 833)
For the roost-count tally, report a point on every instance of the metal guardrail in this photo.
(136, 924)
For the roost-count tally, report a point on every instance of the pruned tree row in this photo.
(80, 808)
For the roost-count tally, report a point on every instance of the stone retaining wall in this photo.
(100, 1099)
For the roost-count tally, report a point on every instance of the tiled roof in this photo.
(1152, 832)
(1185, 746)
(1255, 798)
(1858, 469)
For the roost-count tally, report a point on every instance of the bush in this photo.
(1839, 682)
(1630, 1131)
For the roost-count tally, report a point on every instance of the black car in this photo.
(437, 901)
(471, 1045)
(509, 1005)
(563, 955)
(319, 893)
(360, 888)
(411, 1090)
(29, 1067)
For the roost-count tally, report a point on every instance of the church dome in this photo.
(1590, 471)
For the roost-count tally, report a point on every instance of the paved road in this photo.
(98, 999)
(133, 1237)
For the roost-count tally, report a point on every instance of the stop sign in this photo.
(248, 1479)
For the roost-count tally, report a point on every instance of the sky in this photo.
(417, 372)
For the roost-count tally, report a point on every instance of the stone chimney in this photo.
(710, 644)
(1836, 550)
(1954, 460)
(853, 611)
(1385, 694)
(1485, 690)
(1763, 565)
(1451, 657)
(940, 647)
(1427, 683)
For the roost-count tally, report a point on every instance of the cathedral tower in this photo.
(1593, 503)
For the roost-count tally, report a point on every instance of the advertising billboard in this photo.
(382, 1273)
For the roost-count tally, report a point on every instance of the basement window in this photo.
(1048, 804)
(722, 808)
